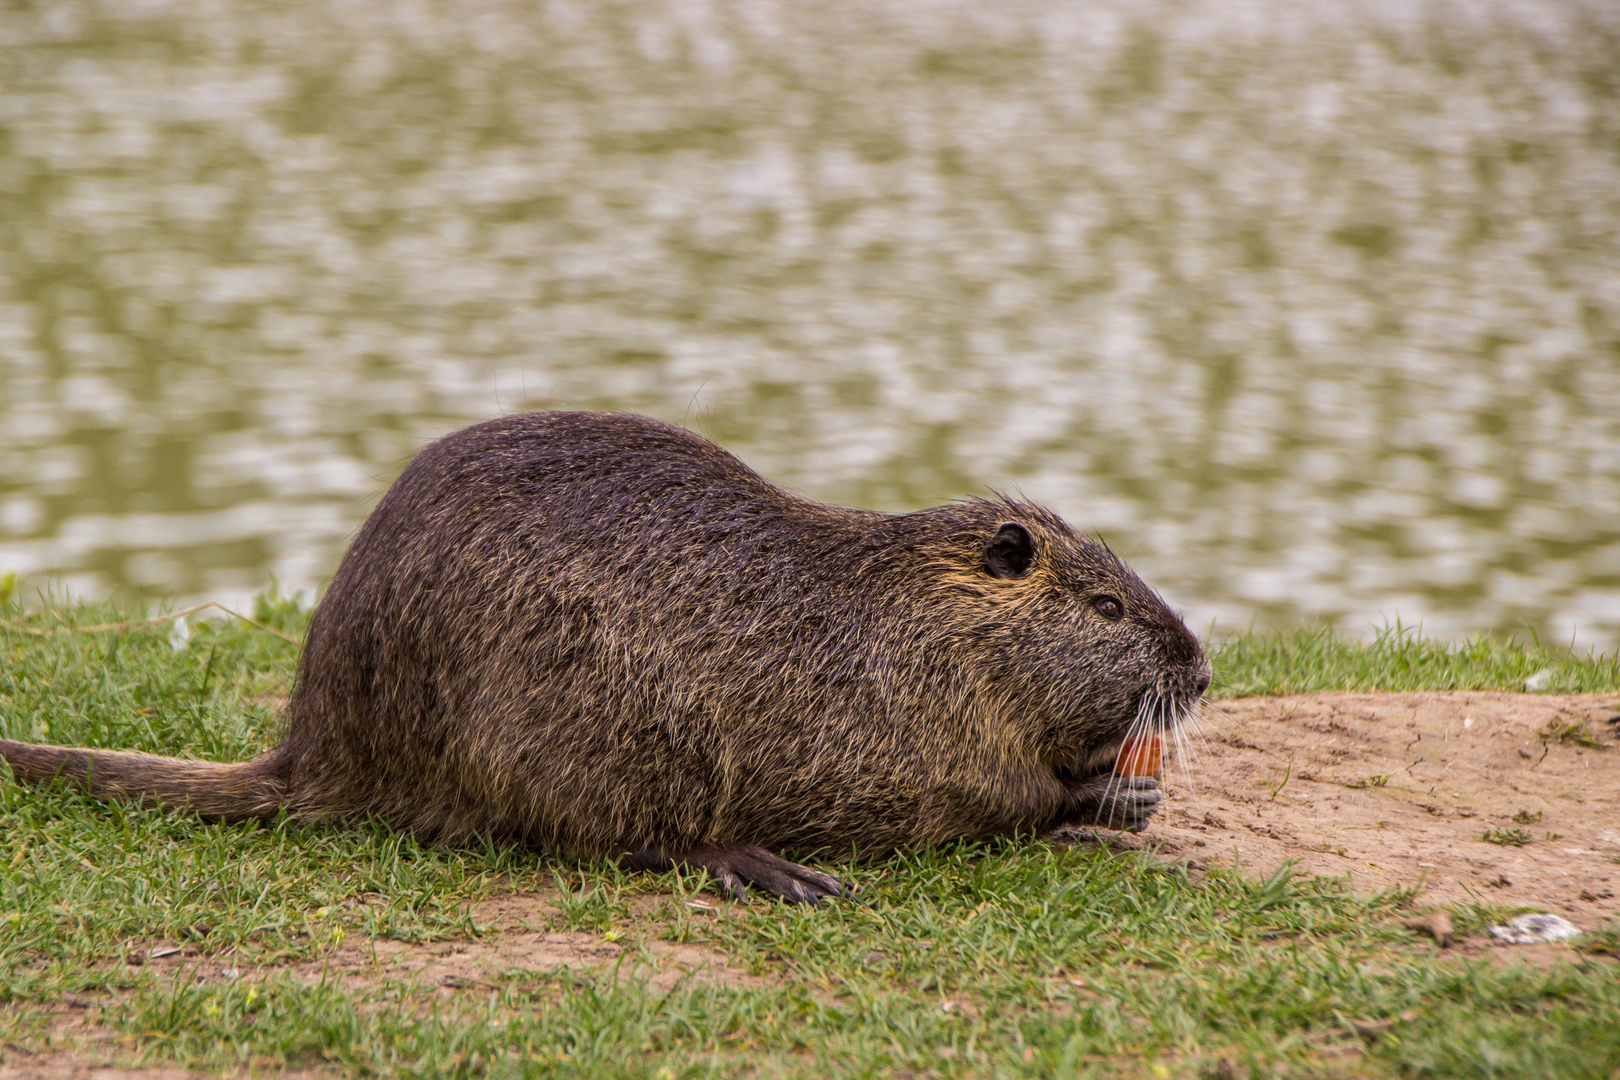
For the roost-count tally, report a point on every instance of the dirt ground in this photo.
(1403, 789)
(74, 1066)
(1387, 789)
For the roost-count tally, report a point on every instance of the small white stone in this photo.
(1535, 929)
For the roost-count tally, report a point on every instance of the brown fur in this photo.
(599, 633)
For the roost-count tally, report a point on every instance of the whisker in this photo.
(1176, 745)
(1186, 753)
(1196, 740)
(1116, 780)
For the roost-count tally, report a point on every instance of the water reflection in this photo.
(1311, 309)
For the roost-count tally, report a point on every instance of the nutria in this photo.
(603, 634)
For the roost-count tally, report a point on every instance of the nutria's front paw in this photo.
(1118, 802)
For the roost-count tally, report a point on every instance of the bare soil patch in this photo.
(72, 1065)
(72, 1044)
(1490, 797)
(516, 939)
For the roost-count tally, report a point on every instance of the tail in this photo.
(251, 789)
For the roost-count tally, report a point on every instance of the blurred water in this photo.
(1312, 309)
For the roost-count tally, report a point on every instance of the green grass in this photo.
(1013, 959)
(1398, 658)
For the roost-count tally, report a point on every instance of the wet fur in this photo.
(599, 633)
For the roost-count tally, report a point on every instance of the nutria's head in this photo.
(1081, 651)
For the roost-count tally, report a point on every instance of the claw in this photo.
(733, 884)
(735, 866)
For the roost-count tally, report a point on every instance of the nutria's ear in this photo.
(1010, 551)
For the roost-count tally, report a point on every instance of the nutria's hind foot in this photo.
(736, 866)
(1117, 802)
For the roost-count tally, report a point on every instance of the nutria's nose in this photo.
(1201, 683)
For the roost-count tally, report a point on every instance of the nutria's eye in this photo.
(1109, 608)
(1010, 551)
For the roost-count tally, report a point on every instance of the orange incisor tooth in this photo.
(1140, 757)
